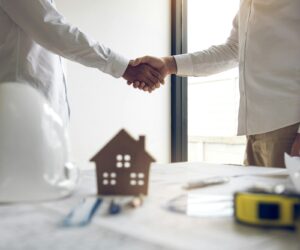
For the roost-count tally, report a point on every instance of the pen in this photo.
(91, 213)
(82, 214)
(206, 182)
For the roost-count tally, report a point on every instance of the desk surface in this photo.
(35, 226)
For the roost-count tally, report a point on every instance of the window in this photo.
(137, 179)
(109, 179)
(123, 161)
(212, 101)
(204, 109)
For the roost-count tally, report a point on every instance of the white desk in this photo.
(34, 226)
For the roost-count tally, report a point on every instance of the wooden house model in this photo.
(122, 166)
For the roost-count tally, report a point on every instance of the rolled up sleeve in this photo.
(46, 26)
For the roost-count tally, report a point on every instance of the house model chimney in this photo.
(142, 141)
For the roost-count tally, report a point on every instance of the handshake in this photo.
(148, 73)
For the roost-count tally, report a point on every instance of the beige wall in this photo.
(102, 105)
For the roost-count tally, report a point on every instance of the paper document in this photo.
(293, 166)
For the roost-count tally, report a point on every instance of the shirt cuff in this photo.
(184, 65)
(117, 65)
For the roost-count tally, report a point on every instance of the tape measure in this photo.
(267, 209)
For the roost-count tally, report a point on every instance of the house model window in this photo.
(109, 179)
(123, 161)
(137, 179)
(122, 166)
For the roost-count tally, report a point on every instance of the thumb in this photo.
(138, 61)
(132, 62)
(135, 62)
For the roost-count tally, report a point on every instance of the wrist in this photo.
(170, 65)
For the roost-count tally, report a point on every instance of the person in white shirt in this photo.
(265, 44)
(33, 38)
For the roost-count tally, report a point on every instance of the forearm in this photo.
(213, 60)
(40, 20)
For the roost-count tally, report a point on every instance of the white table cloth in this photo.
(36, 226)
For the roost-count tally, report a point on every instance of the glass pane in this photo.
(213, 100)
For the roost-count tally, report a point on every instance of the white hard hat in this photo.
(34, 164)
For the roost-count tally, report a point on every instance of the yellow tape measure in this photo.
(267, 209)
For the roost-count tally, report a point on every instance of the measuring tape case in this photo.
(267, 209)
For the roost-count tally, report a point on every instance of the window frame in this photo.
(179, 86)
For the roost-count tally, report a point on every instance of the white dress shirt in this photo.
(34, 37)
(265, 43)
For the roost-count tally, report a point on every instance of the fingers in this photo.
(139, 85)
(158, 67)
(136, 84)
(151, 80)
(143, 76)
(157, 75)
(142, 85)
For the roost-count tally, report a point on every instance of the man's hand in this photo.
(143, 73)
(296, 146)
(165, 66)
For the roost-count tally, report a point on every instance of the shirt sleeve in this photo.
(213, 60)
(46, 26)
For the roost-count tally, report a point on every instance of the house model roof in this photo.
(122, 138)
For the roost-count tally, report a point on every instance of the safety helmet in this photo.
(34, 163)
